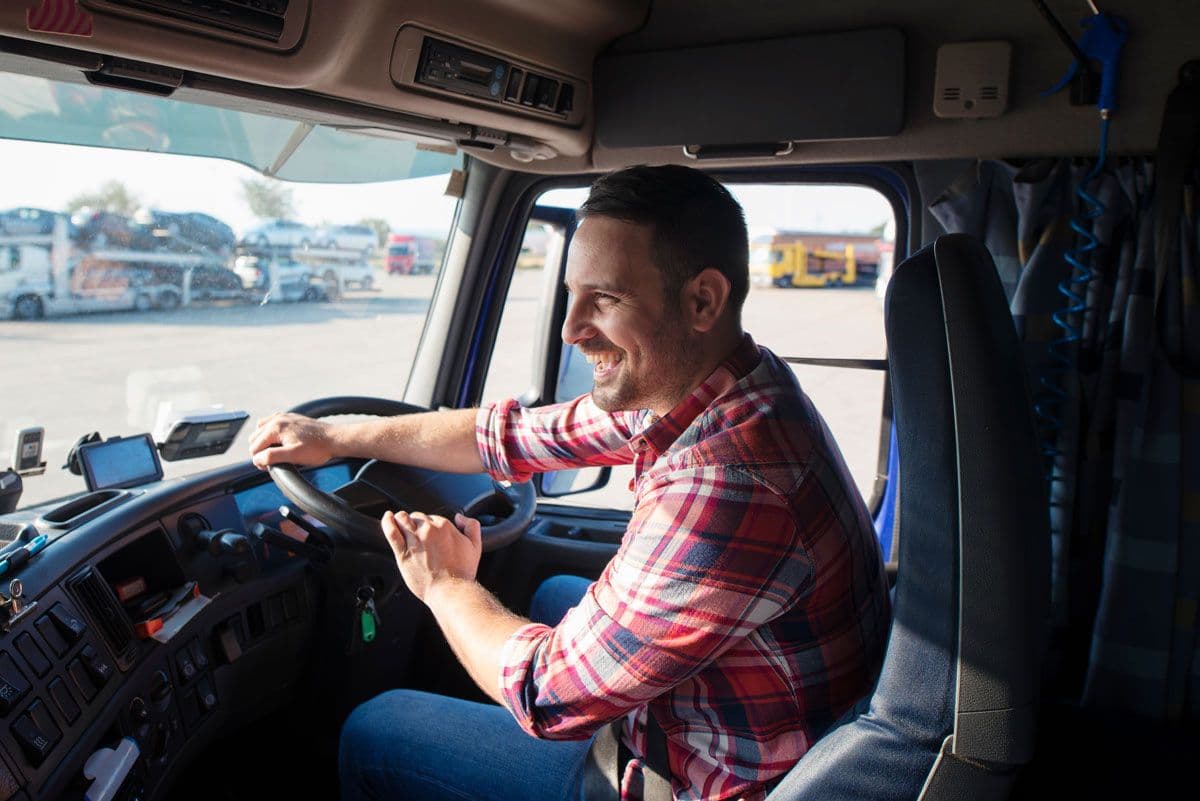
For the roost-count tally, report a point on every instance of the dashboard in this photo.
(150, 623)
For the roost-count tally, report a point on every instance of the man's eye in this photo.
(604, 297)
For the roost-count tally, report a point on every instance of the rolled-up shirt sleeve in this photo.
(694, 575)
(515, 442)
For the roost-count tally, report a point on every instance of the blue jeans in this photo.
(406, 744)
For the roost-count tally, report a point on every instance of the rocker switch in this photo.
(36, 733)
(96, 665)
(71, 627)
(13, 684)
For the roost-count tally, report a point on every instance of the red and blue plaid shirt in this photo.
(747, 604)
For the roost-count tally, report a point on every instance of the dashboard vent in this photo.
(97, 598)
(262, 19)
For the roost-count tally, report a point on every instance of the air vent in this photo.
(989, 93)
(98, 600)
(951, 93)
(261, 19)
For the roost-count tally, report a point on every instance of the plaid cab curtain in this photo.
(1112, 346)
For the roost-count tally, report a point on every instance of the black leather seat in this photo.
(953, 713)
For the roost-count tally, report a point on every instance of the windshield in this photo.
(137, 287)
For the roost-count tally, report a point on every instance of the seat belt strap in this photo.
(608, 757)
(656, 768)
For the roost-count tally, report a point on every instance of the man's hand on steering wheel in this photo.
(289, 438)
(408, 452)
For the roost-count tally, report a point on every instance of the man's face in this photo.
(618, 316)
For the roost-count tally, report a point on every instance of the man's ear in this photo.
(705, 298)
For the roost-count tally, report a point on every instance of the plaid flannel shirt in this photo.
(747, 603)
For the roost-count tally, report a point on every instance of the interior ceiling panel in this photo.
(1033, 124)
(345, 48)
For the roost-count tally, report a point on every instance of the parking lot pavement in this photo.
(117, 372)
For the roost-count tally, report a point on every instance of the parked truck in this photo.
(411, 255)
(811, 259)
(51, 273)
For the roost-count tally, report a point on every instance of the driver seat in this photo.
(953, 714)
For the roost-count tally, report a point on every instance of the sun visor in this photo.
(847, 85)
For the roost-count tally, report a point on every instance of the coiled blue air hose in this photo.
(1069, 319)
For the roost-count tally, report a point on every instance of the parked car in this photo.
(25, 221)
(209, 281)
(189, 229)
(107, 229)
(281, 233)
(279, 278)
(358, 274)
(348, 237)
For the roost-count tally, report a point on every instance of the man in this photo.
(747, 606)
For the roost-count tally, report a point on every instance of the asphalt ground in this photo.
(119, 373)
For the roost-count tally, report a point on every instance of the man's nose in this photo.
(576, 327)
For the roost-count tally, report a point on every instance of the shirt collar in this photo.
(663, 431)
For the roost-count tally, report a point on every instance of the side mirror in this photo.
(558, 483)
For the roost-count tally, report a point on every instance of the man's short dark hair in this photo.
(695, 222)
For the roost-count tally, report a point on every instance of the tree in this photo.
(267, 197)
(112, 196)
(380, 226)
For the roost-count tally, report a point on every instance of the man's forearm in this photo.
(476, 625)
(443, 440)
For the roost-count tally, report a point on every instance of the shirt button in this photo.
(639, 445)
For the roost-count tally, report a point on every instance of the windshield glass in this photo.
(137, 287)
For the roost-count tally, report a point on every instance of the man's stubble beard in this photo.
(663, 386)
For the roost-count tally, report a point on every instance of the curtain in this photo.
(1112, 348)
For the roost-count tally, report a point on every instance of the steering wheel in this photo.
(504, 511)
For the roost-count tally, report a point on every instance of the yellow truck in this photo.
(789, 259)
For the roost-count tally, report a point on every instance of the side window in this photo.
(515, 369)
(820, 256)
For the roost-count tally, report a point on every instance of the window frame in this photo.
(894, 181)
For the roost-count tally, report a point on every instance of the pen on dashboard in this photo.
(18, 558)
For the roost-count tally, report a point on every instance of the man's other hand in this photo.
(291, 439)
(429, 548)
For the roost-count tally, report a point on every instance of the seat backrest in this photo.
(953, 711)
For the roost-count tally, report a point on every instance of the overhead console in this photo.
(434, 63)
(724, 99)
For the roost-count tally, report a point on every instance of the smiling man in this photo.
(746, 608)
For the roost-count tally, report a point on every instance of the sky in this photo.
(47, 176)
